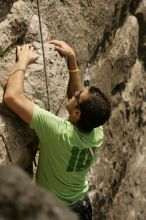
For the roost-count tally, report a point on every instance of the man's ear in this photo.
(77, 113)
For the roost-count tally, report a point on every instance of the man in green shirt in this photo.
(67, 148)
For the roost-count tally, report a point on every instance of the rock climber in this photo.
(67, 147)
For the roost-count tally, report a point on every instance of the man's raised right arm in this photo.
(74, 79)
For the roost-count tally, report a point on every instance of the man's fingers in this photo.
(59, 49)
(18, 49)
(26, 53)
(31, 48)
(56, 42)
(36, 56)
(26, 46)
(21, 47)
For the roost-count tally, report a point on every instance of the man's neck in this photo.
(76, 125)
(72, 121)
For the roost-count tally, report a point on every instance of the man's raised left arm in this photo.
(14, 96)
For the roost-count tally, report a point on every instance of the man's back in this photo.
(65, 155)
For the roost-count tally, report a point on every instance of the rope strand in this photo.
(43, 51)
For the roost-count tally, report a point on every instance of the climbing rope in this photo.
(43, 51)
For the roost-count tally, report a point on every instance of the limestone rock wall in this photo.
(109, 37)
(23, 202)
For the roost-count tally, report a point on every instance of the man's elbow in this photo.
(9, 99)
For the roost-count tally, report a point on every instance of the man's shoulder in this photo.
(99, 130)
(45, 113)
(43, 118)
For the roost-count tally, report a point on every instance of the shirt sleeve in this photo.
(99, 139)
(45, 123)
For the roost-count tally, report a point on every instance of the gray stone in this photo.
(85, 25)
(21, 199)
(114, 68)
(121, 159)
(15, 25)
(33, 33)
(141, 17)
(5, 7)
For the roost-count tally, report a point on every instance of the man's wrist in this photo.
(72, 57)
(74, 70)
(19, 70)
(72, 64)
(22, 65)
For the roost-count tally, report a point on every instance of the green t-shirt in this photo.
(65, 156)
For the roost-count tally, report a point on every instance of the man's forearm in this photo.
(15, 84)
(74, 77)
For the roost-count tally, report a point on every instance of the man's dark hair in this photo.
(95, 110)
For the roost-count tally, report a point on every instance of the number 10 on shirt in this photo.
(80, 159)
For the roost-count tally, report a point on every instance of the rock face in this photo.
(22, 201)
(109, 37)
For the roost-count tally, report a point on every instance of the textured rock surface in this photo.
(86, 25)
(114, 69)
(27, 201)
(15, 25)
(109, 37)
